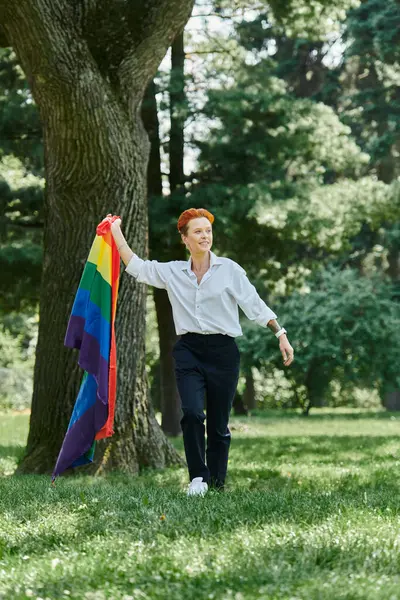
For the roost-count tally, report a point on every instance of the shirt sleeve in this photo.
(248, 299)
(151, 272)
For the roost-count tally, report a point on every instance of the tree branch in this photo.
(159, 22)
(123, 41)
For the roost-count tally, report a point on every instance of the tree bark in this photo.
(391, 399)
(238, 405)
(249, 394)
(171, 403)
(169, 395)
(178, 111)
(88, 68)
(307, 74)
(170, 398)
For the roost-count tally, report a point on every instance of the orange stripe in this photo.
(107, 237)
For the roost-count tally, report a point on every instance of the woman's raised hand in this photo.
(116, 223)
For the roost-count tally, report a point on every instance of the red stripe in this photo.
(107, 430)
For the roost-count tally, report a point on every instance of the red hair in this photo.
(192, 213)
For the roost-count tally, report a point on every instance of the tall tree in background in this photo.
(88, 67)
(164, 240)
(170, 399)
(372, 67)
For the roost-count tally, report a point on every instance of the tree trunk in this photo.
(88, 67)
(178, 111)
(300, 63)
(171, 403)
(316, 383)
(154, 192)
(169, 395)
(249, 394)
(391, 399)
(170, 399)
(238, 405)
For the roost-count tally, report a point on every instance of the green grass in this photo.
(312, 511)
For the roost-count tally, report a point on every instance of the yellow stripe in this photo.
(100, 255)
(95, 249)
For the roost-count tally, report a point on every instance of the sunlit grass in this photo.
(311, 511)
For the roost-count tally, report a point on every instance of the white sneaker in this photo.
(197, 487)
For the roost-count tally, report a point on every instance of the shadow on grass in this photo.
(353, 449)
(11, 451)
(324, 414)
(45, 520)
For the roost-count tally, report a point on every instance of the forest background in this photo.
(283, 119)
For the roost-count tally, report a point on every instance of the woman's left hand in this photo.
(286, 350)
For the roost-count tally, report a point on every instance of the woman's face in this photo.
(199, 237)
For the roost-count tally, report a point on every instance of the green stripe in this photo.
(100, 290)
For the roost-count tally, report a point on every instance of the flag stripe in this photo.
(79, 439)
(100, 255)
(90, 358)
(97, 326)
(98, 288)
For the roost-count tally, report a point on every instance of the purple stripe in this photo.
(80, 437)
(75, 329)
(96, 326)
(90, 358)
(93, 322)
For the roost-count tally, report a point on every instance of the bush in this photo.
(342, 329)
(18, 334)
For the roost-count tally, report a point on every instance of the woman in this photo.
(205, 293)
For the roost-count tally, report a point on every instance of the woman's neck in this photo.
(201, 262)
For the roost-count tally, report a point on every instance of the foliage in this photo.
(291, 144)
(20, 129)
(21, 189)
(284, 177)
(315, 19)
(342, 328)
(374, 29)
(18, 336)
(333, 214)
(372, 65)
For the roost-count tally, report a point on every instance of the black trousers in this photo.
(207, 368)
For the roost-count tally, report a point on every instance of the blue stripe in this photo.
(82, 298)
(95, 324)
(86, 397)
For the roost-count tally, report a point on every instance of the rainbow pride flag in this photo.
(91, 330)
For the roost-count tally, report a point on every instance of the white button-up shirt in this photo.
(210, 306)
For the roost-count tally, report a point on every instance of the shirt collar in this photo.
(214, 260)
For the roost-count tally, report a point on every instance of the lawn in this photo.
(312, 511)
